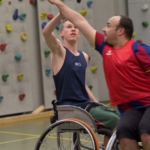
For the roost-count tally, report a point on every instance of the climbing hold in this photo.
(3, 46)
(58, 26)
(43, 15)
(94, 68)
(22, 16)
(55, 91)
(140, 41)
(15, 15)
(20, 76)
(32, 2)
(48, 72)
(89, 58)
(18, 56)
(8, 27)
(145, 24)
(78, 1)
(44, 24)
(21, 96)
(83, 12)
(1, 98)
(90, 87)
(1, 1)
(89, 3)
(47, 52)
(20, 0)
(9, 2)
(4, 77)
(133, 34)
(23, 36)
(50, 16)
(145, 6)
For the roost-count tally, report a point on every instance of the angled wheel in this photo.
(67, 135)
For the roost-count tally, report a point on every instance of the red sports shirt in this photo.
(127, 70)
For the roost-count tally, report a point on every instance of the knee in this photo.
(113, 121)
(122, 129)
(143, 128)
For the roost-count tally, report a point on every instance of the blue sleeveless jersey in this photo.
(70, 81)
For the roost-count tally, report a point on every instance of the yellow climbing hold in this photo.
(83, 12)
(133, 34)
(8, 27)
(1, 1)
(20, 76)
(23, 36)
(94, 68)
(43, 15)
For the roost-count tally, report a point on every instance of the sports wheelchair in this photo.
(113, 143)
(72, 128)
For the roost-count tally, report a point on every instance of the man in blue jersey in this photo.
(69, 65)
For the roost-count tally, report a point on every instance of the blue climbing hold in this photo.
(15, 15)
(48, 72)
(18, 56)
(1, 98)
(58, 26)
(44, 24)
(89, 3)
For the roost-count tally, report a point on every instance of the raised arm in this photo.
(77, 19)
(52, 42)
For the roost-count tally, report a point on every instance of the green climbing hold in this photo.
(47, 52)
(22, 16)
(4, 77)
(90, 87)
(145, 24)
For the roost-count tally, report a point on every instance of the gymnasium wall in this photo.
(139, 12)
(26, 78)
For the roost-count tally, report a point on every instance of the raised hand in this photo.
(53, 1)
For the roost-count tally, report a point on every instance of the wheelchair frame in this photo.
(78, 121)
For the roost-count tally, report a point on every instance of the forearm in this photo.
(91, 96)
(48, 29)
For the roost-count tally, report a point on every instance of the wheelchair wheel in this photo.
(113, 143)
(68, 135)
(101, 133)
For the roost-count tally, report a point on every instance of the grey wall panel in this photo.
(28, 65)
(138, 16)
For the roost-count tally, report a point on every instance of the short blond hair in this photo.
(62, 24)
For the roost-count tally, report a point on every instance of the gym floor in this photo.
(22, 135)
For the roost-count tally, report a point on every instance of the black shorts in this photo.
(133, 123)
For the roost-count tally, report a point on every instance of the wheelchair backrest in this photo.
(67, 111)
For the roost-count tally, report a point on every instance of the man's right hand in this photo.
(53, 1)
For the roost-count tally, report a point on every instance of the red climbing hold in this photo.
(140, 41)
(89, 58)
(22, 96)
(55, 91)
(50, 16)
(9, 2)
(31, 1)
(3, 46)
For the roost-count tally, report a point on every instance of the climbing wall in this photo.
(139, 12)
(15, 81)
(45, 12)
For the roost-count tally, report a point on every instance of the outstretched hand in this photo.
(53, 1)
